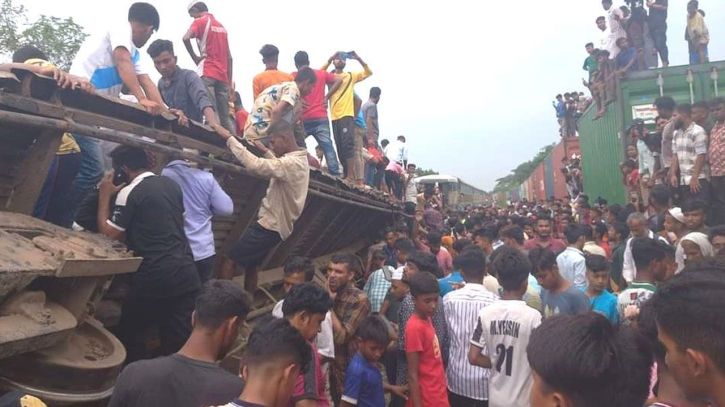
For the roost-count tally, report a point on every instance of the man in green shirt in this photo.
(591, 64)
(651, 258)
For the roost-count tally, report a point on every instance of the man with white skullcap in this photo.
(214, 62)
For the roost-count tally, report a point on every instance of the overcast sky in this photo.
(469, 84)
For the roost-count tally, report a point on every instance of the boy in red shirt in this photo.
(426, 376)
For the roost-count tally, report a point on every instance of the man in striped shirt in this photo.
(467, 384)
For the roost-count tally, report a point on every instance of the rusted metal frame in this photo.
(348, 222)
(326, 220)
(88, 118)
(245, 217)
(302, 230)
(120, 137)
(338, 227)
(33, 171)
(115, 136)
(348, 202)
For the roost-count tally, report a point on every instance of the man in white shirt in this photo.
(467, 384)
(110, 60)
(397, 151)
(411, 190)
(637, 223)
(615, 22)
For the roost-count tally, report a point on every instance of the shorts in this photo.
(254, 246)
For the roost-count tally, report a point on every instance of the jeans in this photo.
(218, 93)
(369, 174)
(658, 32)
(53, 204)
(320, 130)
(89, 175)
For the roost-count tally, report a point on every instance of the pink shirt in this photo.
(395, 167)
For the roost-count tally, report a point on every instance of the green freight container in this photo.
(603, 142)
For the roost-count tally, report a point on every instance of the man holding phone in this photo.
(342, 112)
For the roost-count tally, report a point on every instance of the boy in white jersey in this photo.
(503, 330)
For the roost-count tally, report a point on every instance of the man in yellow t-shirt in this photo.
(342, 107)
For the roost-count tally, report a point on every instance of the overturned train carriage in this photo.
(52, 280)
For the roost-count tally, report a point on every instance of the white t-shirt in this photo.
(503, 331)
(324, 341)
(411, 191)
(95, 62)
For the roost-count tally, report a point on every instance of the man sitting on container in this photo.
(149, 213)
(288, 169)
(182, 89)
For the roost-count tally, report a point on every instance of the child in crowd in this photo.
(453, 280)
(391, 307)
(690, 312)
(602, 301)
(378, 284)
(585, 361)
(558, 296)
(650, 260)
(506, 326)
(426, 376)
(363, 381)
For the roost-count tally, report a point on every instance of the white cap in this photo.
(398, 274)
(191, 5)
(677, 214)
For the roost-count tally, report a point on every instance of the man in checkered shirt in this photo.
(689, 147)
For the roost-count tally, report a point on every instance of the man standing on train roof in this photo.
(342, 111)
(214, 60)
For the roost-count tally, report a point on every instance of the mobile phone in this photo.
(120, 177)
(347, 55)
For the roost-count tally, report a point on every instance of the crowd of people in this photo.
(559, 302)
(633, 38)
(529, 304)
(684, 154)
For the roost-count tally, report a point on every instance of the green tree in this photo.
(523, 171)
(10, 18)
(59, 38)
(422, 172)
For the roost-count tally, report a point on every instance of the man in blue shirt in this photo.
(203, 198)
(602, 300)
(626, 58)
(182, 89)
(560, 108)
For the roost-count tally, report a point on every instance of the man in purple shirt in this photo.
(203, 198)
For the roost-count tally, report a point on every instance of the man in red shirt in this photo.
(314, 115)
(214, 62)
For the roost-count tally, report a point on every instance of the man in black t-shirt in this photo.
(192, 377)
(149, 213)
